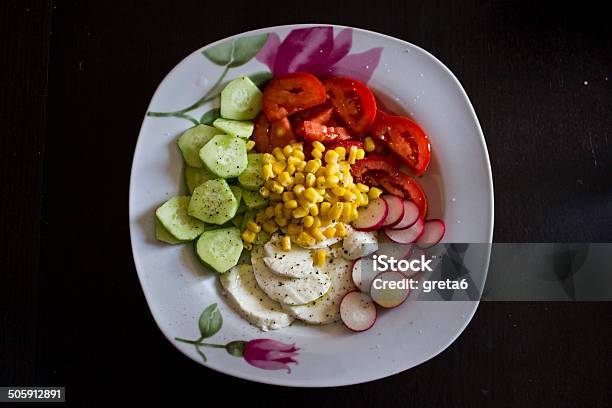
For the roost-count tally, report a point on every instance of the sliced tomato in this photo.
(319, 114)
(292, 93)
(405, 138)
(383, 171)
(353, 101)
(347, 144)
(322, 133)
(268, 135)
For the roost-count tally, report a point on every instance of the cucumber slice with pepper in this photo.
(195, 176)
(220, 248)
(213, 202)
(238, 128)
(240, 99)
(252, 177)
(225, 156)
(193, 140)
(162, 234)
(173, 215)
(254, 200)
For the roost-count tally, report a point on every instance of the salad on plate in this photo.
(291, 188)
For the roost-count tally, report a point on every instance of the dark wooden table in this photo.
(76, 79)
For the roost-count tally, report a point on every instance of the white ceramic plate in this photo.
(458, 183)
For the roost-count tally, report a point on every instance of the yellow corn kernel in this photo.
(341, 152)
(369, 144)
(269, 211)
(331, 156)
(267, 158)
(300, 212)
(267, 172)
(300, 166)
(305, 238)
(319, 199)
(358, 199)
(362, 188)
(319, 257)
(347, 179)
(317, 222)
(347, 209)
(275, 197)
(321, 182)
(297, 146)
(349, 196)
(317, 234)
(360, 154)
(270, 226)
(313, 165)
(251, 226)
(338, 191)
(248, 246)
(329, 232)
(340, 230)
(314, 210)
(287, 212)
(311, 194)
(250, 145)
(285, 179)
(286, 243)
(277, 187)
(325, 206)
(287, 150)
(298, 178)
(260, 217)
(344, 166)
(307, 221)
(288, 196)
(331, 169)
(279, 167)
(332, 181)
(291, 204)
(364, 199)
(336, 211)
(305, 204)
(294, 229)
(298, 189)
(310, 180)
(316, 145)
(352, 154)
(374, 193)
(264, 192)
(281, 221)
(292, 161)
(278, 154)
(290, 169)
(317, 154)
(248, 236)
(278, 210)
(354, 214)
(298, 154)
(325, 222)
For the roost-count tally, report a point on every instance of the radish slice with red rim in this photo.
(433, 231)
(407, 235)
(372, 216)
(396, 210)
(357, 311)
(363, 273)
(389, 289)
(409, 217)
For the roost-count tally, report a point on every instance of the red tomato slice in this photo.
(268, 135)
(353, 101)
(383, 171)
(324, 134)
(347, 144)
(405, 138)
(319, 114)
(292, 93)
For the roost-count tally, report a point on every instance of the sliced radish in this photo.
(433, 231)
(389, 289)
(396, 210)
(409, 217)
(363, 273)
(357, 311)
(407, 235)
(372, 216)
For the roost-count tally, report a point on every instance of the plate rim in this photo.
(282, 381)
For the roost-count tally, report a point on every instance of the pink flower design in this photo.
(315, 50)
(270, 354)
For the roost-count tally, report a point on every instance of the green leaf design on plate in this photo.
(261, 78)
(210, 321)
(209, 117)
(236, 52)
(236, 348)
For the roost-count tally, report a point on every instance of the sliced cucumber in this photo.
(220, 248)
(237, 193)
(193, 140)
(225, 155)
(162, 234)
(214, 202)
(241, 207)
(252, 178)
(254, 200)
(173, 215)
(240, 99)
(238, 128)
(194, 177)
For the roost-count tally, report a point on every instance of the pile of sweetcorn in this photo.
(309, 201)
